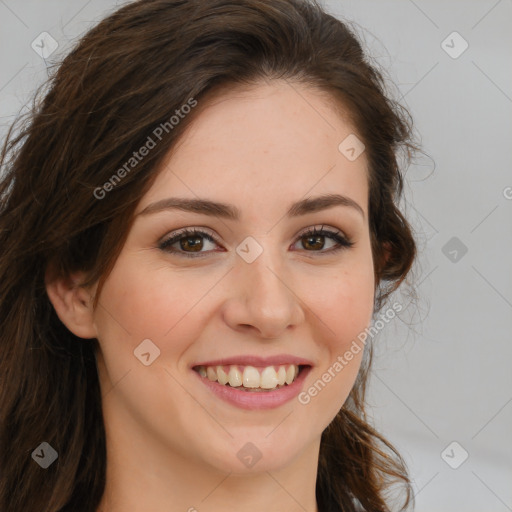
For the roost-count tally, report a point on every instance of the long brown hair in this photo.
(127, 76)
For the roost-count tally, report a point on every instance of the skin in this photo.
(171, 444)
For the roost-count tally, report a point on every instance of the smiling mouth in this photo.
(252, 378)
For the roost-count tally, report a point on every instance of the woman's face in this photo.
(262, 288)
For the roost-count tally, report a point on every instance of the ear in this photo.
(72, 302)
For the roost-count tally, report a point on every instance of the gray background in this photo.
(443, 369)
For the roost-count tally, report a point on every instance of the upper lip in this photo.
(250, 360)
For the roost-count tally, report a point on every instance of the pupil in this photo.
(317, 240)
(194, 246)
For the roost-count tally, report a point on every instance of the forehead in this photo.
(273, 141)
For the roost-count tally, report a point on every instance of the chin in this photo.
(244, 456)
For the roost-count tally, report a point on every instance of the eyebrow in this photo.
(231, 212)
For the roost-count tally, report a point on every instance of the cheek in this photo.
(344, 311)
(343, 304)
(139, 303)
(148, 303)
(343, 299)
(348, 305)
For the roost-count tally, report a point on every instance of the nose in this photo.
(262, 298)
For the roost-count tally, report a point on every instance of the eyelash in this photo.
(343, 242)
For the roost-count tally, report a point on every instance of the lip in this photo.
(260, 399)
(252, 360)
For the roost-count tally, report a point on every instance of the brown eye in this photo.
(188, 243)
(193, 243)
(314, 241)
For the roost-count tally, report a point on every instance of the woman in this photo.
(197, 227)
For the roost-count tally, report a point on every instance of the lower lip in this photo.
(257, 399)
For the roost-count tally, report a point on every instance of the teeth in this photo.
(250, 377)
(235, 377)
(290, 375)
(269, 378)
(281, 376)
(222, 376)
